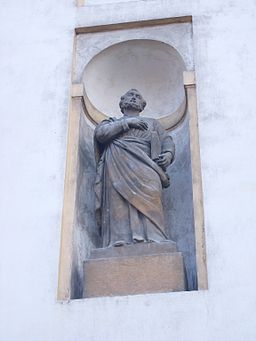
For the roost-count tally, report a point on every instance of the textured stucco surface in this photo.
(36, 51)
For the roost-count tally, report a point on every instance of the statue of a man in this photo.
(134, 154)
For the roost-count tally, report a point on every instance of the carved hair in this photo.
(123, 104)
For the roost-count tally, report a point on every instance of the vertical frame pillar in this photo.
(190, 89)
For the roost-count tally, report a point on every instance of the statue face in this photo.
(132, 100)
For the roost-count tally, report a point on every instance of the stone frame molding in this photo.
(69, 202)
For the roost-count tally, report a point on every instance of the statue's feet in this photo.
(137, 240)
(120, 243)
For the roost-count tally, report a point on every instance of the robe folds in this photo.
(129, 183)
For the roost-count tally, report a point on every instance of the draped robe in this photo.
(129, 183)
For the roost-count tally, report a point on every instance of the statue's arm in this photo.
(167, 144)
(108, 130)
(167, 147)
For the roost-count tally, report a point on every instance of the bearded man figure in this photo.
(134, 153)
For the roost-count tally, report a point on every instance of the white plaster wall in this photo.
(96, 2)
(36, 51)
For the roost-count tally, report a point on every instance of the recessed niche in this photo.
(153, 60)
(154, 67)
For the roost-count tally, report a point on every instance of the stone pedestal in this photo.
(135, 269)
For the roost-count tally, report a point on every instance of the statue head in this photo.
(132, 100)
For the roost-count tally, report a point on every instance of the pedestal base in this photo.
(142, 268)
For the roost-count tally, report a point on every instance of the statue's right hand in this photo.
(136, 122)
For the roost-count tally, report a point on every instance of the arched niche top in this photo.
(153, 67)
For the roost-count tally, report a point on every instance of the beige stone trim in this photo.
(77, 90)
(68, 215)
(69, 202)
(190, 87)
(80, 3)
(189, 78)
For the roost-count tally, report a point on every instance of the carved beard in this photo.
(132, 106)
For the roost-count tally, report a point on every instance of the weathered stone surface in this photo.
(140, 249)
(129, 275)
(131, 174)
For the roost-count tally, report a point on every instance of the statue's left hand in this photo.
(164, 160)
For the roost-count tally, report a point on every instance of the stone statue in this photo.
(133, 154)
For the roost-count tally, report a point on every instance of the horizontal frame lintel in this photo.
(133, 24)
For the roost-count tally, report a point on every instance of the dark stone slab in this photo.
(139, 249)
(130, 275)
